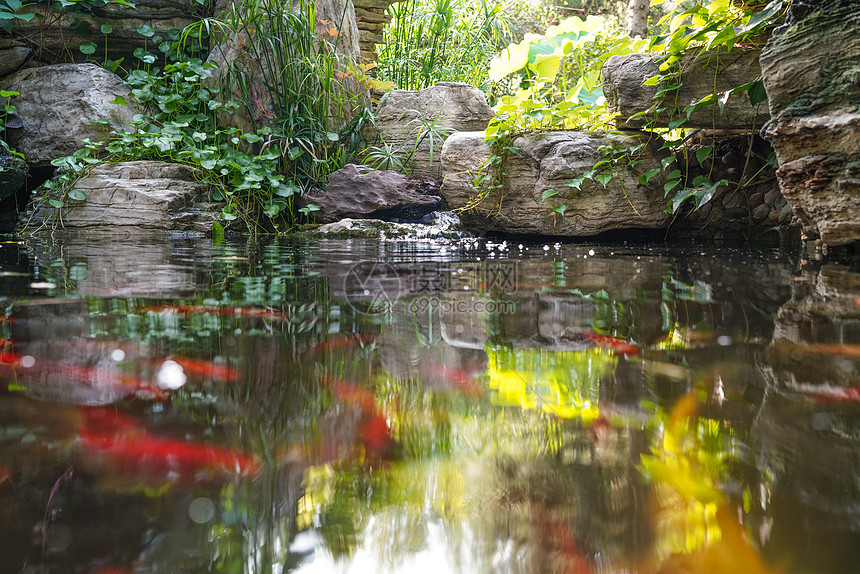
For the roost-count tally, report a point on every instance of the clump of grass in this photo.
(293, 77)
(430, 41)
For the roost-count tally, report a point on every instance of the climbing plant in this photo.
(558, 85)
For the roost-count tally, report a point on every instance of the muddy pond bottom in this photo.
(189, 406)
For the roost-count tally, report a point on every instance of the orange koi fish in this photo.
(614, 344)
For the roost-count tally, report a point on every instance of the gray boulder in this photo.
(357, 191)
(547, 161)
(414, 124)
(57, 106)
(138, 194)
(811, 70)
(702, 74)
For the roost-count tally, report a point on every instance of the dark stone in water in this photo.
(360, 192)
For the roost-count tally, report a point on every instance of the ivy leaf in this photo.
(646, 177)
(56, 203)
(604, 178)
(667, 161)
(294, 153)
(757, 93)
(119, 101)
(703, 153)
(106, 28)
(88, 48)
(670, 185)
(77, 195)
(272, 209)
(547, 194)
(286, 189)
(146, 31)
(560, 209)
(576, 183)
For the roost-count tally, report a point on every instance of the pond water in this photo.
(282, 405)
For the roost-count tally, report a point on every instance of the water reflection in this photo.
(188, 406)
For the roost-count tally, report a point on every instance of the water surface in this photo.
(280, 405)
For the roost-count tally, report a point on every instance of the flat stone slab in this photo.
(138, 194)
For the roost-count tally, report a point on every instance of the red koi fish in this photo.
(341, 342)
(614, 344)
(373, 431)
(222, 311)
(123, 442)
(838, 395)
(455, 377)
(353, 394)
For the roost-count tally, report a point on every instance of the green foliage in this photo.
(6, 110)
(14, 10)
(694, 28)
(430, 41)
(183, 119)
(183, 127)
(318, 111)
(554, 80)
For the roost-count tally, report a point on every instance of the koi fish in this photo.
(353, 394)
(222, 311)
(614, 344)
(121, 441)
(457, 378)
(31, 371)
(838, 395)
(373, 431)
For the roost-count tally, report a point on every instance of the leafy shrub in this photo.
(258, 172)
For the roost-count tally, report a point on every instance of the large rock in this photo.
(811, 70)
(415, 123)
(56, 37)
(357, 191)
(58, 104)
(547, 161)
(138, 194)
(702, 74)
